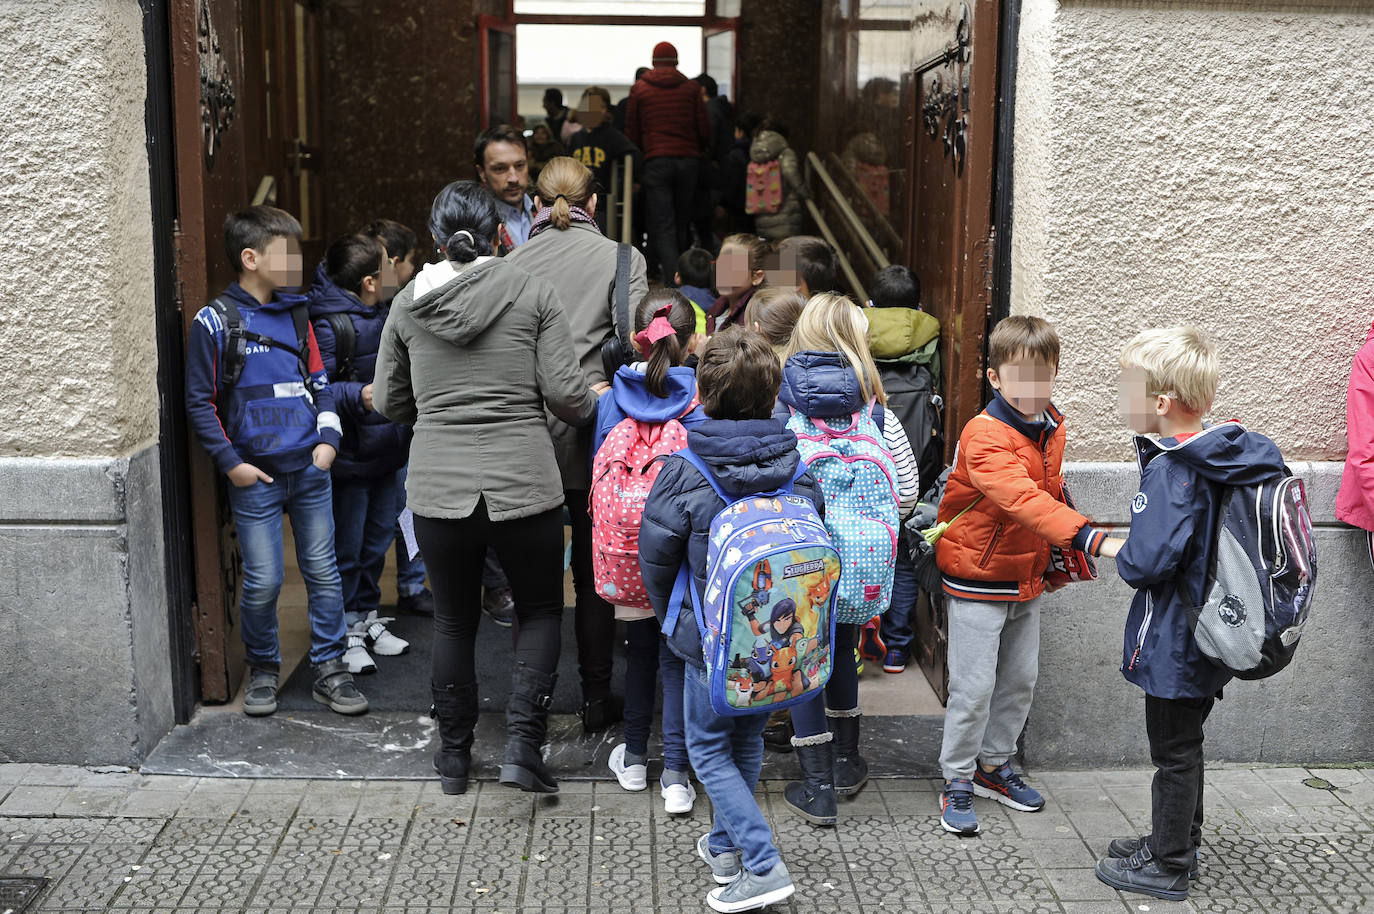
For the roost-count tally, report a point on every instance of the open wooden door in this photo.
(497, 89)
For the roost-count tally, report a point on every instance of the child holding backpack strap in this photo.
(833, 395)
(641, 419)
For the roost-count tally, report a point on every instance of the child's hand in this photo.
(245, 474)
(600, 387)
(367, 397)
(323, 456)
(1111, 546)
(1051, 587)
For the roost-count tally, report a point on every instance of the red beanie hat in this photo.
(664, 52)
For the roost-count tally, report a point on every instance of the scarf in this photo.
(541, 220)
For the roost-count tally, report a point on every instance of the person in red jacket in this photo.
(1355, 501)
(667, 119)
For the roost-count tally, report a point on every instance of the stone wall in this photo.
(1203, 162)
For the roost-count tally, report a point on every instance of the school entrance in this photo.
(342, 113)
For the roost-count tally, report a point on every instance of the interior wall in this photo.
(779, 56)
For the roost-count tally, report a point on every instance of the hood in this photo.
(281, 301)
(821, 384)
(746, 455)
(327, 298)
(457, 306)
(635, 400)
(664, 77)
(1224, 453)
(768, 145)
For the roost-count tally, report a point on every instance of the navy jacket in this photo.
(1168, 551)
(746, 456)
(372, 445)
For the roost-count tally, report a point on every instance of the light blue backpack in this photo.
(851, 463)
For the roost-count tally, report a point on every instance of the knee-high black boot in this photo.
(455, 711)
(527, 722)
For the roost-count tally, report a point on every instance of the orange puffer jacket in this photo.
(1000, 549)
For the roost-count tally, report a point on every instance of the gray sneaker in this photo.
(750, 891)
(260, 698)
(724, 867)
(334, 687)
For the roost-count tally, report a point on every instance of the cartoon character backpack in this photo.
(859, 479)
(623, 472)
(766, 615)
(763, 188)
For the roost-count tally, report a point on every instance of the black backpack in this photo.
(237, 338)
(912, 398)
(345, 345)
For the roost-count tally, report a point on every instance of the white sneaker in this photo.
(384, 642)
(677, 798)
(358, 659)
(631, 777)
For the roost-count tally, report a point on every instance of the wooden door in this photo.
(497, 91)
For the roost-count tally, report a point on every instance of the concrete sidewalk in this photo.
(1276, 840)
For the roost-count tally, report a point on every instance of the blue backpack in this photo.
(859, 479)
(767, 616)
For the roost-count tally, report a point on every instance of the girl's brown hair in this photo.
(669, 351)
(775, 309)
(564, 183)
(759, 249)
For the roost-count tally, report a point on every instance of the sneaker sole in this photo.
(987, 792)
(893, 669)
(338, 708)
(260, 710)
(363, 671)
(1165, 894)
(720, 880)
(813, 819)
(504, 623)
(632, 786)
(382, 653)
(750, 904)
(961, 832)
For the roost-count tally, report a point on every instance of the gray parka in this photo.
(787, 221)
(471, 355)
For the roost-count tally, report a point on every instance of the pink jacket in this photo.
(1355, 502)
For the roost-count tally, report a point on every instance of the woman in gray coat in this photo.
(473, 351)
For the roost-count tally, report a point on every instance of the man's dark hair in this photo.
(255, 227)
(502, 134)
(709, 84)
(353, 258)
(895, 287)
(553, 94)
(816, 261)
(463, 219)
(748, 124)
(738, 375)
(395, 237)
(694, 267)
(640, 71)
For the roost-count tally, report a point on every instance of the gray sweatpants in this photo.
(994, 655)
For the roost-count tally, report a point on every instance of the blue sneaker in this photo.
(956, 808)
(1006, 787)
(895, 661)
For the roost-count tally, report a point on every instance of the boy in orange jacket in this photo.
(1007, 474)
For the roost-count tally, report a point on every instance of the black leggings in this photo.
(595, 621)
(531, 549)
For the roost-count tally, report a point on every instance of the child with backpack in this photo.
(347, 310)
(641, 419)
(904, 341)
(693, 279)
(1168, 382)
(740, 272)
(258, 398)
(776, 187)
(739, 461)
(858, 452)
(1006, 491)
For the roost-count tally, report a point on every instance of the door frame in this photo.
(485, 26)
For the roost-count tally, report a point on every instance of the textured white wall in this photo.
(1199, 162)
(78, 358)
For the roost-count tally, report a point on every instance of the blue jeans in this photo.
(410, 573)
(897, 632)
(364, 525)
(646, 657)
(841, 692)
(305, 495)
(727, 753)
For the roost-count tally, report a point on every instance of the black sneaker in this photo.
(499, 604)
(1143, 874)
(416, 604)
(1124, 847)
(334, 686)
(260, 698)
(600, 713)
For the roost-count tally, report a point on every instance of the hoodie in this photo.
(628, 398)
(269, 418)
(666, 116)
(787, 221)
(470, 356)
(1169, 550)
(745, 456)
(372, 445)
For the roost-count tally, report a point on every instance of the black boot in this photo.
(455, 711)
(600, 713)
(814, 798)
(527, 722)
(851, 771)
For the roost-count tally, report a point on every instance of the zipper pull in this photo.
(1134, 657)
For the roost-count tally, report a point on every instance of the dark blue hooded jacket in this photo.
(372, 445)
(819, 384)
(1168, 551)
(746, 456)
(628, 398)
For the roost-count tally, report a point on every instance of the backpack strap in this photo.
(234, 349)
(345, 344)
(622, 297)
(879, 415)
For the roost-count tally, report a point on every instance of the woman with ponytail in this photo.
(473, 353)
(567, 250)
(645, 416)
